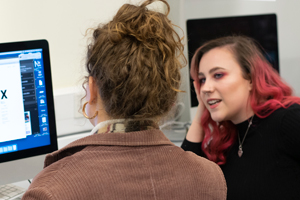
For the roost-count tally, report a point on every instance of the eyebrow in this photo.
(210, 71)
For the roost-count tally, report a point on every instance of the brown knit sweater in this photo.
(132, 165)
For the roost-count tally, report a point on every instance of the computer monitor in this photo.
(263, 28)
(27, 121)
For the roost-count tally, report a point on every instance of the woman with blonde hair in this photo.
(133, 66)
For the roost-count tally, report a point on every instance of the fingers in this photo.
(196, 86)
(201, 106)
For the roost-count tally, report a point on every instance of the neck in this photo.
(244, 117)
(101, 117)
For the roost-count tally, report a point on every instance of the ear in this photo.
(93, 90)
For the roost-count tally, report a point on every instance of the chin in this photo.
(217, 118)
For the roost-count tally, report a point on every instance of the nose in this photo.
(206, 87)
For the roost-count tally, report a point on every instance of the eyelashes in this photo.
(216, 76)
(201, 81)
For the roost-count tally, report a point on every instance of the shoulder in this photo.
(202, 173)
(289, 116)
(201, 162)
(282, 111)
(290, 130)
(281, 115)
(285, 120)
(38, 193)
(291, 108)
(44, 184)
(290, 120)
(53, 181)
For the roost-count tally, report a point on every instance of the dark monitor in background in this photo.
(263, 28)
(27, 121)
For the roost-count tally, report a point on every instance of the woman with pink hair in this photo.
(247, 120)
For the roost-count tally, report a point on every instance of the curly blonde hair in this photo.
(135, 60)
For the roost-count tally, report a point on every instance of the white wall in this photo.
(63, 23)
(288, 18)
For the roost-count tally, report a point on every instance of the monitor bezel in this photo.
(27, 45)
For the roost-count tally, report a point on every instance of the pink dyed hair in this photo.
(269, 92)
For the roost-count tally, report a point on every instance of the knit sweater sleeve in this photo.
(290, 131)
(194, 147)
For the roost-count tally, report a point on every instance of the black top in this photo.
(270, 165)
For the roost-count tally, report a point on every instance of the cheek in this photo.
(203, 102)
(234, 92)
(238, 97)
(201, 97)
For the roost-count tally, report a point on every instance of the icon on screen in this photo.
(27, 118)
(42, 101)
(40, 82)
(43, 119)
(37, 63)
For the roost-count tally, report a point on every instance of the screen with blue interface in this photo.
(24, 119)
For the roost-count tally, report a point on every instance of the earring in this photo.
(85, 115)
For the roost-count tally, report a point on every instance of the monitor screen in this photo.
(263, 28)
(27, 121)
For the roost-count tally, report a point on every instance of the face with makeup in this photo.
(223, 89)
